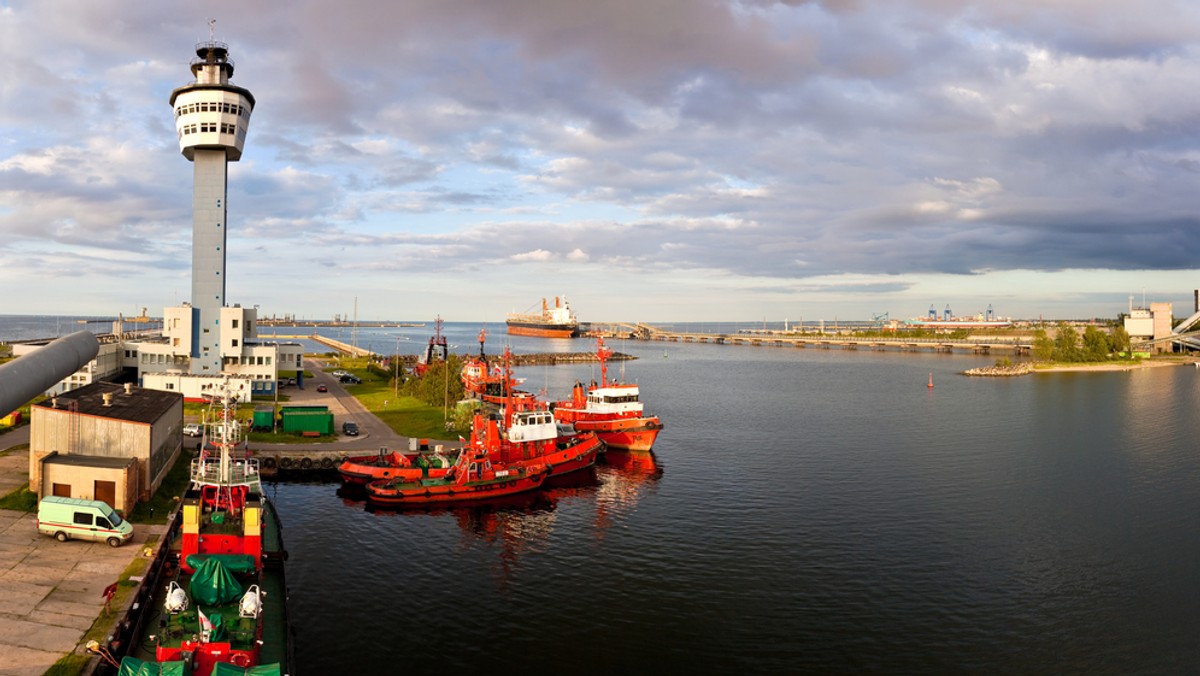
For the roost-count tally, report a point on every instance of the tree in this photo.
(1096, 344)
(1043, 346)
(1120, 339)
(437, 387)
(1066, 344)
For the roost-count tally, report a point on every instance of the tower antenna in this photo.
(212, 23)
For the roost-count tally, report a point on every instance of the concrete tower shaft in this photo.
(212, 117)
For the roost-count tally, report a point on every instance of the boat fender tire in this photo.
(651, 425)
(326, 463)
(428, 493)
(306, 463)
(285, 463)
(269, 462)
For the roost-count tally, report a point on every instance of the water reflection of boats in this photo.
(635, 463)
(624, 479)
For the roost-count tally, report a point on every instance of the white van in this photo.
(67, 518)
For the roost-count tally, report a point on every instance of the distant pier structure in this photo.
(212, 117)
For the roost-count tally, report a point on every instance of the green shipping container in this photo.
(264, 418)
(299, 421)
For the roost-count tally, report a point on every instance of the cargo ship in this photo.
(556, 322)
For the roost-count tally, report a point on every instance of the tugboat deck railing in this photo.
(208, 470)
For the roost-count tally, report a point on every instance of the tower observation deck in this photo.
(212, 117)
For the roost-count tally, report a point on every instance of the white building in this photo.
(1153, 323)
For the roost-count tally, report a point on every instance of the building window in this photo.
(235, 342)
(235, 323)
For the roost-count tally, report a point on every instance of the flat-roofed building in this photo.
(104, 442)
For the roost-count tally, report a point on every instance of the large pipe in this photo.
(26, 377)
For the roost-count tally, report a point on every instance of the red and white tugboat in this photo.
(530, 434)
(489, 383)
(612, 410)
(224, 596)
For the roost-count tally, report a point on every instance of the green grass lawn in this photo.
(407, 416)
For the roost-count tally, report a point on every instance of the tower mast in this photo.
(212, 117)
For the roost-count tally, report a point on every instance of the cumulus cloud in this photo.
(773, 142)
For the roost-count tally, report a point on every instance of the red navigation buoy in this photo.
(931, 380)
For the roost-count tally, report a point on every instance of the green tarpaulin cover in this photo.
(234, 563)
(213, 585)
(132, 666)
(226, 669)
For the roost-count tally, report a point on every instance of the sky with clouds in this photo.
(653, 160)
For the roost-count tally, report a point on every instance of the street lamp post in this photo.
(396, 369)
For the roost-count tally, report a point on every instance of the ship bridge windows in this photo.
(613, 399)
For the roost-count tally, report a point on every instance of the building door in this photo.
(61, 490)
(106, 491)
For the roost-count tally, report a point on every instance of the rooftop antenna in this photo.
(212, 24)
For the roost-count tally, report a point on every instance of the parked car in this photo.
(339, 373)
(350, 428)
(192, 430)
(350, 378)
(322, 388)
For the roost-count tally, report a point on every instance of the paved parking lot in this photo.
(50, 591)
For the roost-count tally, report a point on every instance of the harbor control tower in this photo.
(212, 117)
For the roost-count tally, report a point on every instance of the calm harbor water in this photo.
(809, 510)
(805, 510)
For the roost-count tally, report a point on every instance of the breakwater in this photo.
(973, 344)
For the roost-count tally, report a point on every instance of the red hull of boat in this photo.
(579, 455)
(543, 332)
(418, 495)
(627, 434)
(362, 470)
(630, 440)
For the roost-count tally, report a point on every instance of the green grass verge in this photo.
(20, 500)
(165, 498)
(287, 438)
